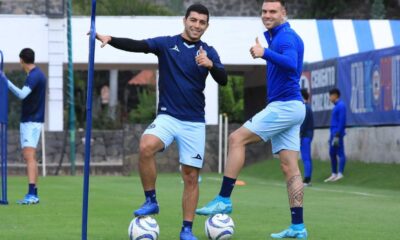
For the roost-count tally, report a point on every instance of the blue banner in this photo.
(319, 78)
(3, 94)
(370, 86)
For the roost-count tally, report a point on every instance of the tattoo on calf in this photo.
(295, 191)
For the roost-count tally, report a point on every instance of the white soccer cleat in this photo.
(331, 178)
(338, 177)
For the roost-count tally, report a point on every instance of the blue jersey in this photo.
(307, 127)
(338, 119)
(182, 81)
(284, 57)
(34, 104)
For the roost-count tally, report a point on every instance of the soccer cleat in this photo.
(29, 199)
(291, 233)
(338, 177)
(331, 178)
(148, 208)
(218, 205)
(186, 234)
(307, 184)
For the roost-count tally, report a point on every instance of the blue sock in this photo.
(31, 189)
(227, 186)
(151, 194)
(297, 215)
(187, 224)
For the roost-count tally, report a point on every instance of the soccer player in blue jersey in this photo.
(336, 143)
(279, 122)
(184, 63)
(306, 136)
(33, 96)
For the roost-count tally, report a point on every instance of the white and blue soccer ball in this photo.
(219, 227)
(143, 228)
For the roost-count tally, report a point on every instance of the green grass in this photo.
(365, 205)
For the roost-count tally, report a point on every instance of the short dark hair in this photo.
(199, 8)
(281, 1)
(27, 55)
(334, 91)
(305, 94)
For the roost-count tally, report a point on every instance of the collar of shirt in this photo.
(33, 69)
(337, 102)
(269, 34)
(189, 42)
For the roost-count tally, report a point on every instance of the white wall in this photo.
(366, 144)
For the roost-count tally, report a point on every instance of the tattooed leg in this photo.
(295, 189)
(294, 184)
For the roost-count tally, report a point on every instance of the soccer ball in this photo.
(143, 228)
(219, 227)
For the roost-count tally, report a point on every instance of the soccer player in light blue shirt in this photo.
(279, 122)
(336, 142)
(33, 96)
(184, 63)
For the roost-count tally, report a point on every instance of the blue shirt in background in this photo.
(307, 128)
(33, 105)
(3, 99)
(182, 81)
(285, 63)
(338, 119)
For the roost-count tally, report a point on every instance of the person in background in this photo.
(306, 136)
(336, 143)
(33, 96)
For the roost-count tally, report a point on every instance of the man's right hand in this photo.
(257, 51)
(104, 39)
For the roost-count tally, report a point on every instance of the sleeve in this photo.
(342, 120)
(30, 81)
(287, 55)
(218, 70)
(130, 45)
(156, 44)
(19, 93)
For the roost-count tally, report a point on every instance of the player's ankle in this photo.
(297, 227)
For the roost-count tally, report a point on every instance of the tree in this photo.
(120, 7)
(145, 111)
(378, 10)
(324, 9)
(231, 99)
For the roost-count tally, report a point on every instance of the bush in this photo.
(145, 111)
(231, 99)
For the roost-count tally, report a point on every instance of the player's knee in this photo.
(235, 139)
(289, 169)
(146, 148)
(190, 178)
(29, 154)
(285, 168)
(29, 158)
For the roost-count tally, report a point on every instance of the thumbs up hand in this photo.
(257, 51)
(203, 60)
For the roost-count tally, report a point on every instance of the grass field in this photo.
(365, 205)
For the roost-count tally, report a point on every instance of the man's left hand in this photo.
(203, 60)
